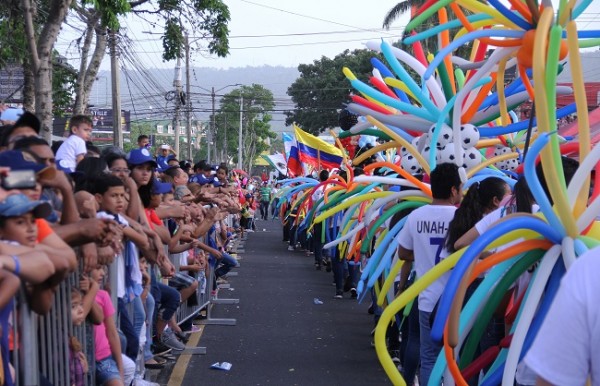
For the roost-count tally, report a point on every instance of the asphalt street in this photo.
(281, 336)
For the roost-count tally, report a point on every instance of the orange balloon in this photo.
(525, 53)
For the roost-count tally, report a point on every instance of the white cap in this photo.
(165, 147)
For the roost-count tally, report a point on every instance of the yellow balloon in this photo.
(556, 188)
(582, 110)
(348, 203)
(490, 161)
(394, 307)
(402, 142)
(389, 281)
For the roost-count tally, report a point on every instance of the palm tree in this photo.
(399, 10)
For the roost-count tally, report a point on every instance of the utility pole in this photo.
(211, 130)
(177, 118)
(116, 92)
(188, 99)
(225, 138)
(240, 133)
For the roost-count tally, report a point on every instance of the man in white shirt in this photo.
(565, 350)
(421, 241)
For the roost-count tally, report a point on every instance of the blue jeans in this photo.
(139, 315)
(317, 243)
(126, 326)
(429, 349)
(227, 262)
(166, 299)
(411, 344)
(337, 266)
(149, 323)
(106, 370)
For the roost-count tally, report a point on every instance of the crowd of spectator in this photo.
(134, 235)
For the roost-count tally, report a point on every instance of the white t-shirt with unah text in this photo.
(424, 233)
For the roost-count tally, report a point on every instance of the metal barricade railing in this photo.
(41, 343)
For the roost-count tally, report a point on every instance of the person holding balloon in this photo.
(564, 351)
(421, 241)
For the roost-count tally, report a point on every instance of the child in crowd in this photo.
(110, 195)
(78, 364)
(73, 150)
(18, 230)
(112, 367)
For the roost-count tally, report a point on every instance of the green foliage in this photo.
(173, 40)
(207, 19)
(110, 11)
(258, 101)
(63, 87)
(322, 89)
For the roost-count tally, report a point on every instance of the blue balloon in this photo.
(386, 73)
(472, 252)
(486, 131)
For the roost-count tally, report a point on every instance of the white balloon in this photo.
(444, 137)
(411, 164)
(469, 135)
(471, 158)
(446, 154)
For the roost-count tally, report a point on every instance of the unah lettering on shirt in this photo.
(439, 227)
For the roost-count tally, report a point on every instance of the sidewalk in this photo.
(281, 336)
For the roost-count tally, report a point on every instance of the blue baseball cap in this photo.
(161, 187)
(20, 160)
(140, 156)
(19, 204)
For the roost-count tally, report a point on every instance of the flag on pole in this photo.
(288, 142)
(293, 163)
(278, 162)
(313, 150)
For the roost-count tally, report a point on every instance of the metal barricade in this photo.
(41, 343)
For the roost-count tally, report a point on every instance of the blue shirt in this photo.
(163, 162)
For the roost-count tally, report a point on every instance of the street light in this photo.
(213, 120)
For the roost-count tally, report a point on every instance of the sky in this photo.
(269, 32)
(280, 33)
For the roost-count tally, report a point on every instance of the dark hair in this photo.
(77, 120)
(87, 171)
(478, 200)
(105, 182)
(27, 142)
(522, 196)
(143, 136)
(323, 175)
(569, 168)
(185, 165)
(443, 178)
(199, 165)
(223, 167)
(111, 149)
(89, 145)
(207, 167)
(55, 145)
(112, 157)
(173, 171)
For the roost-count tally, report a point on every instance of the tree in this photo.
(42, 20)
(13, 51)
(322, 89)
(256, 129)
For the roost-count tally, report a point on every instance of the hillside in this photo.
(144, 93)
